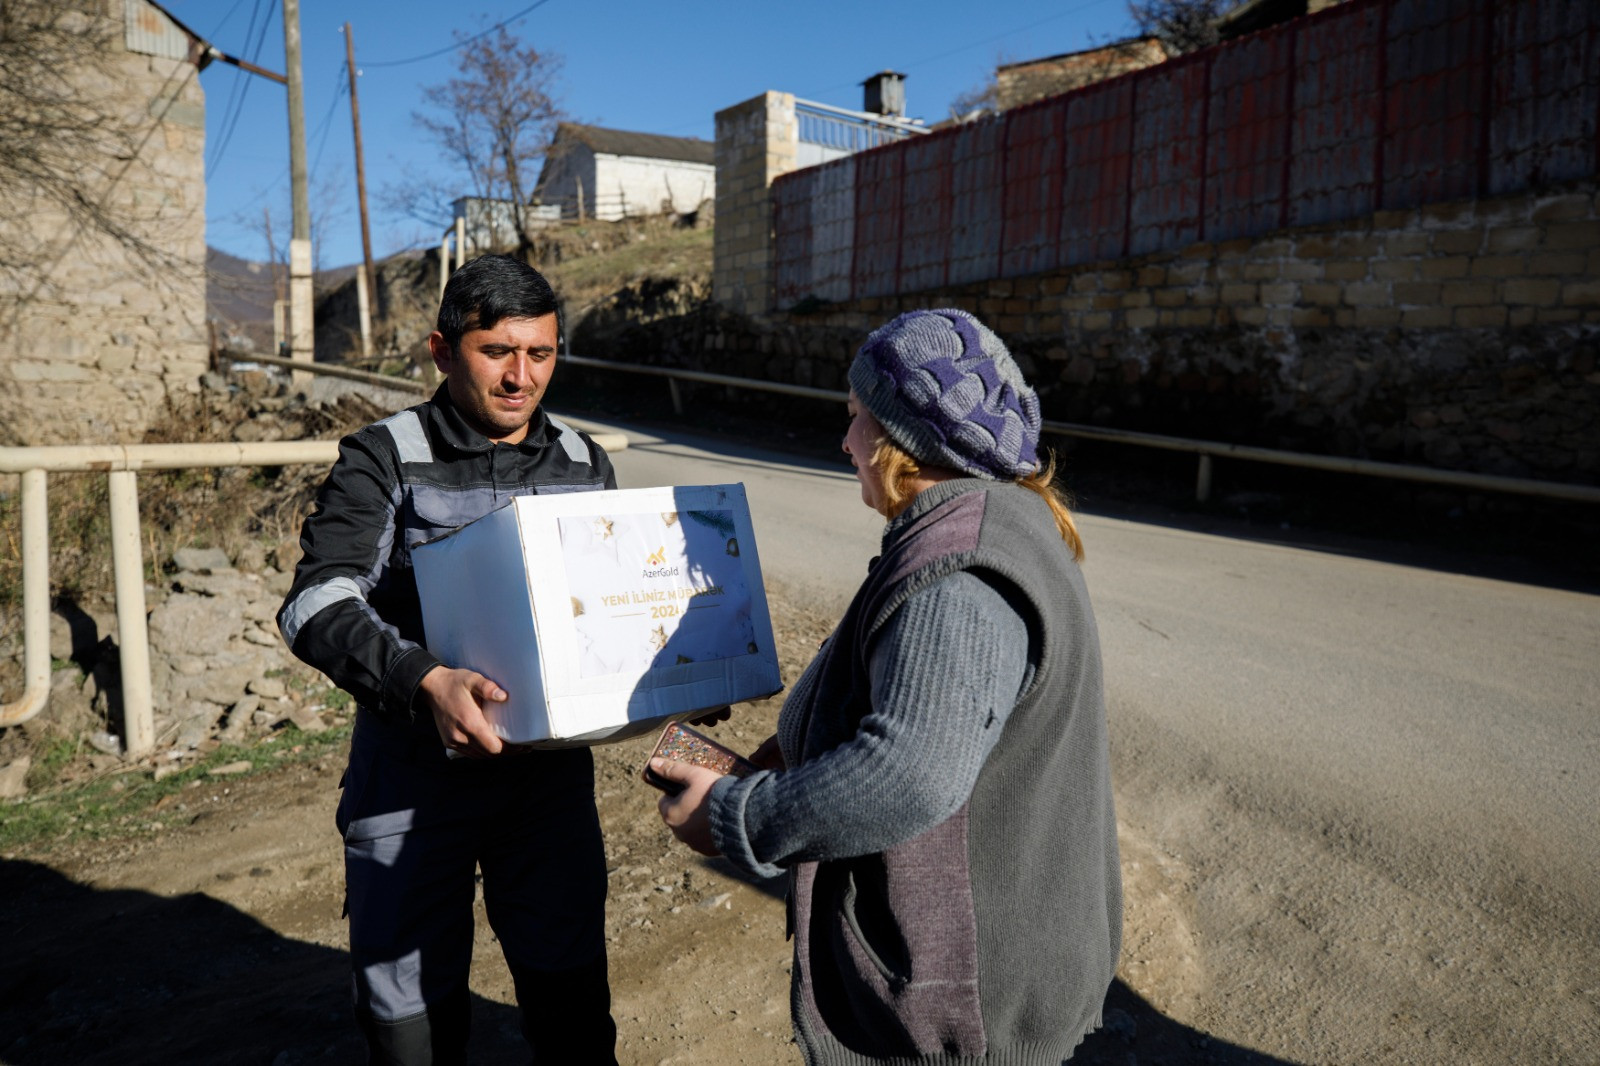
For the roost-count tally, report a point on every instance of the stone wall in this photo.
(1017, 84)
(1461, 335)
(93, 338)
(756, 142)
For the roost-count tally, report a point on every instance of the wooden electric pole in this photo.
(301, 334)
(366, 278)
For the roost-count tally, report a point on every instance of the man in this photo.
(416, 823)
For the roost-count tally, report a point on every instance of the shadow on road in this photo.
(92, 976)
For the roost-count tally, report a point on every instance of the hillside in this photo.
(589, 265)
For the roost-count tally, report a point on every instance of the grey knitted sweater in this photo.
(947, 813)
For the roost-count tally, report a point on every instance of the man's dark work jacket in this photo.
(353, 611)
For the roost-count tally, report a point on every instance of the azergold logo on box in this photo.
(657, 557)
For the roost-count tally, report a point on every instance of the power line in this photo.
(321, 136)
(230, 122)
(976, 44)
(218, 27)
(458, 44)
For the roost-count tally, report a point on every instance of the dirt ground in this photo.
(221, 940)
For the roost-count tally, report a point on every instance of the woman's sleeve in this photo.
(945, 672)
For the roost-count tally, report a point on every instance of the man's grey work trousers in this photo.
(417, 827)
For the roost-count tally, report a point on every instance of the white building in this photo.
(606, 174)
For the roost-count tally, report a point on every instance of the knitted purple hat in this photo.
(946, 390)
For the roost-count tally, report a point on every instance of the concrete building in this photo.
(593, 172)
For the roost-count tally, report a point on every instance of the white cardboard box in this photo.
(602, 614)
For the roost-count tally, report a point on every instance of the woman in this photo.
(943, 796)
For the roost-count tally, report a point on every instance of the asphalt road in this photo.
(1377, 785)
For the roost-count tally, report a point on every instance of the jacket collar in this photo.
(928, 499)
(459, 434)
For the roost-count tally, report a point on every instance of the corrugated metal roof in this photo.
(151, 31)
(647, 145)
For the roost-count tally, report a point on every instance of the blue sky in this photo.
(657, 68)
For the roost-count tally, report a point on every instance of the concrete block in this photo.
(1480, 317)
(1301, 270)
(1357, 247)
(1458, 242)
(1280, 293)
(1416, 292)
(1545, 264)
(1415, 242)
(1317, 247)
(1454, 267)
(1368, 294)
(1497, 266)
(1569, 235)
(1170, 297)
(1513, 239)
(1426, 318)
(1345, 269)
(1468, 293)
(1394, 269)
(1536, 292)
(1321, 293)
(1142, 318)
(1581, 293)
(1377, 317)
(1236, 293)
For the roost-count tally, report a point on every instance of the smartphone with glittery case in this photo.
(683, 744)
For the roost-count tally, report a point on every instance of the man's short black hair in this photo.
(490, 288)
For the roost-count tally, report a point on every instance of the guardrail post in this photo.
(677, 397)
(35, 602)
(1202, 479)
(127, 566)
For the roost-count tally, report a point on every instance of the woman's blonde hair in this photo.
(896, 469)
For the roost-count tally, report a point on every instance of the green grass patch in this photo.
(50, 758)
(131, 802)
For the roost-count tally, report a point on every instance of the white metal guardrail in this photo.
(121, 463)
(1205, 450)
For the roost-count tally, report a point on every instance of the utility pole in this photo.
(301, 333)
(366, 278)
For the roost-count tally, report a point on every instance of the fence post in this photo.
(127, 565)
(1202, 479)
(35, 602)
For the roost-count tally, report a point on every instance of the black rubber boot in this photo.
(437, 1037)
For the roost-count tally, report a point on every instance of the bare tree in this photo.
(63, 148)
(496, 119)
(977, 101)
(1181, 25)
